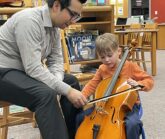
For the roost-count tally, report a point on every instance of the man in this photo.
(26, 39)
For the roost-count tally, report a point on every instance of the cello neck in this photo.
(117, 72)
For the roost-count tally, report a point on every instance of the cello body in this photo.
(111, 119)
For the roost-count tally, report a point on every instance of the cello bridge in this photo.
(100, 110)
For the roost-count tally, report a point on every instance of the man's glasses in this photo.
(74, 16)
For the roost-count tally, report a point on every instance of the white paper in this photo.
(120, 10)
(120, 1)
(113, 2)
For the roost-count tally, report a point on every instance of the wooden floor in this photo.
(153, 108)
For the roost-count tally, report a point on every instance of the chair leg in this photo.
(143, 60)
(34, 124)
(137, 57)
(4, 130)
(133, 56)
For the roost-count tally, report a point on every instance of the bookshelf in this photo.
(120, 8)
(103, 18)
(99, 18)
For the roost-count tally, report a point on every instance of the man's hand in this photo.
(77, 98)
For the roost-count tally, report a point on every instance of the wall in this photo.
(31, 3)
(159, 6)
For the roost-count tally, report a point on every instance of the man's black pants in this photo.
(18, 88)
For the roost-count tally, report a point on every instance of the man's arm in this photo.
(55, 58)
(28, 36)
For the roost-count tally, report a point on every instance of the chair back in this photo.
(147, 36)
(135, 26)
(151, 26)
(133, 36)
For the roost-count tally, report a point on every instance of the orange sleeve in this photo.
(142, 77)
(91, 86)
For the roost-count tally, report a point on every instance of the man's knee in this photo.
(43, 97)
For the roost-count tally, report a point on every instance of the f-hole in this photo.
(112, 119)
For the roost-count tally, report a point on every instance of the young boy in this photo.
(108, 50)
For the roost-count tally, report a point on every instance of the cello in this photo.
(107, 119)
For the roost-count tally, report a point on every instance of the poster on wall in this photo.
(120, 1)
(113, 2)
(120, 11)
(115, 10)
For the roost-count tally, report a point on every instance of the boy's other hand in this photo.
(132, 82)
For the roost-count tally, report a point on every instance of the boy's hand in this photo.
(77, 98)
(132, 82)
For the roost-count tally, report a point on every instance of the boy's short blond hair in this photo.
(106, 43)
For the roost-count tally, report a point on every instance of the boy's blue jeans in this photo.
(134, 126)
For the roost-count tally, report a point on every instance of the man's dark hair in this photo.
(64, 3)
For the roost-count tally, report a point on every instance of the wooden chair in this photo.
(11, 119)
(145, 44)
(130, 36)
(82, 77)
(131, 39)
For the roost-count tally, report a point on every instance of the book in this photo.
(81, 46)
